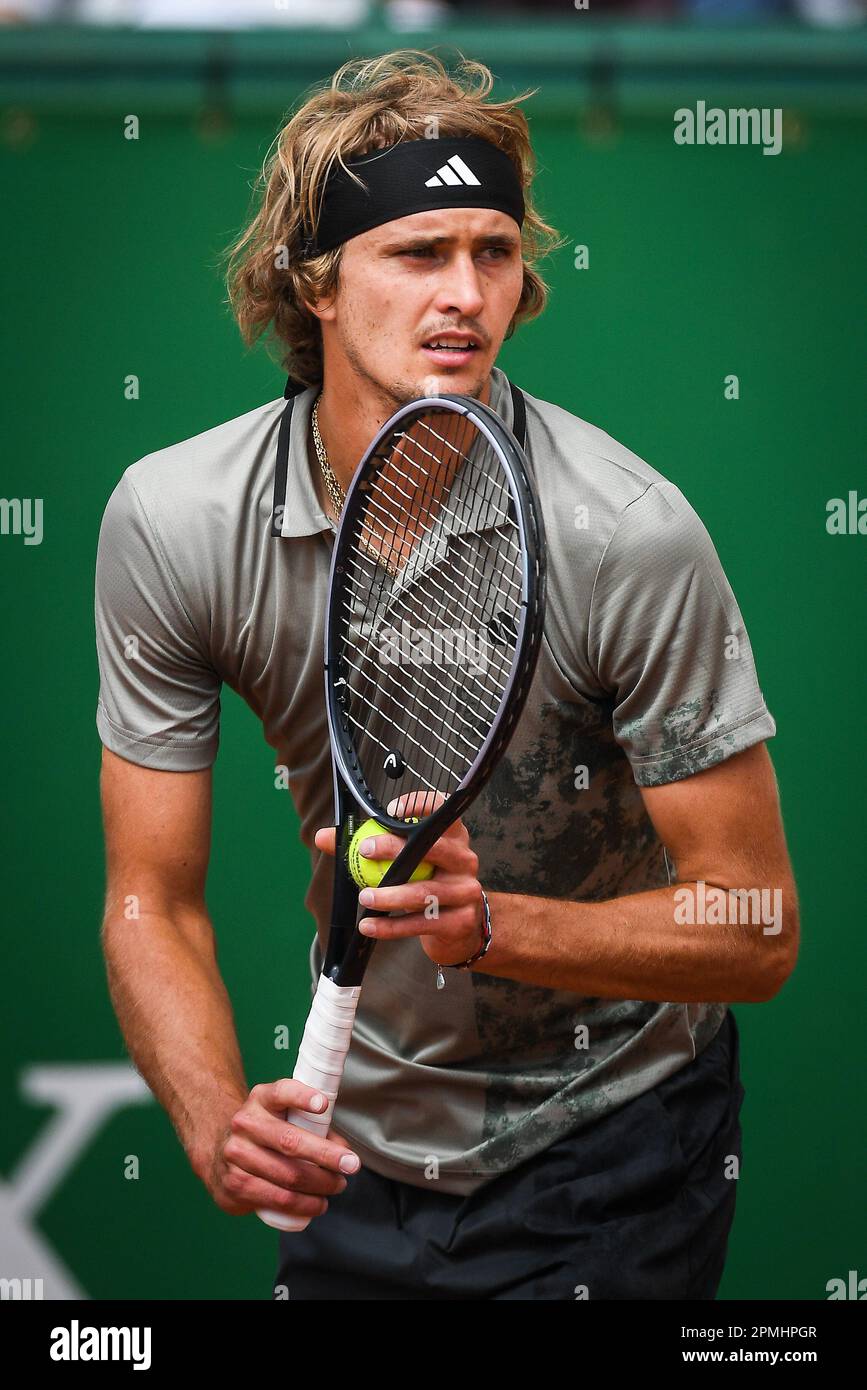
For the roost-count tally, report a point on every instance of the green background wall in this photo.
(704, 262)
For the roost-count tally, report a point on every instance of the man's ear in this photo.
(324, 309)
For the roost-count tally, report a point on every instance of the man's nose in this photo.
(460, 287)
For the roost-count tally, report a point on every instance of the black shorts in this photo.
(637, 1205)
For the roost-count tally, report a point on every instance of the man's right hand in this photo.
(263, 1161)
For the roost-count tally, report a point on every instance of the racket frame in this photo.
(348, 951)
(324, 1043)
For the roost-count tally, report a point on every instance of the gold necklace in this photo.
(338, 496)
(333, 488)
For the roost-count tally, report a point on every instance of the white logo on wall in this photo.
(84, 1098)
(453, 171)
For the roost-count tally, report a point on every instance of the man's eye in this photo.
(420, 251)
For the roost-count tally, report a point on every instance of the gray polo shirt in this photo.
(646, 676)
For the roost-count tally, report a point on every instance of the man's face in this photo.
(447, 275)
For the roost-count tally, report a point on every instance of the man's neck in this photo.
(348, 423)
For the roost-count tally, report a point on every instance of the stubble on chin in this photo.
(396, 393)
(442, 386)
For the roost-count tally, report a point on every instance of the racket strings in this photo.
(467, 736)
(486, 503)
(446, 511)
(459, 540)
(399, 604)
(445, 690)
(457, 749)
(503, 516)
(487, 520)
(459, 584)
(413, 498)
(432, 607)
(466, 558)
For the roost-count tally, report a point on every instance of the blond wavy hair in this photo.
(368, 103)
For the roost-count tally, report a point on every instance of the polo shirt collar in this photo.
(296, 507)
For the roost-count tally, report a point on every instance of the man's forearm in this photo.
(177, 1020)
(636, 948)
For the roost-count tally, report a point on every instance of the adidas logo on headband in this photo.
(453, 171)
(396, 183)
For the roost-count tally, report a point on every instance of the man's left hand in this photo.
(445, 912)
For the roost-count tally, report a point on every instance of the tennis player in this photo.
(561, 1120)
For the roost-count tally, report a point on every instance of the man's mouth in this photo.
(452, 348)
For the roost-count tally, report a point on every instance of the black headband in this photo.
(415, 176)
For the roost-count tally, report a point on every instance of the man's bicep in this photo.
(157, 835)
(723, 825)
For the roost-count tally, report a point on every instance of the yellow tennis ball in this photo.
(368, 873)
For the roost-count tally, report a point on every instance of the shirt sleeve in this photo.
(159, 694)
(668, 643)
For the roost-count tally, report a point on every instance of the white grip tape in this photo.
(321, 1059)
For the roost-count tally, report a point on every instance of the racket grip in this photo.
(321, 1058)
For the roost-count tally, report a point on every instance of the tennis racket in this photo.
(435, 612)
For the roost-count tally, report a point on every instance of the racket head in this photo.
(441, 529)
